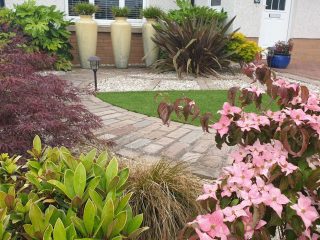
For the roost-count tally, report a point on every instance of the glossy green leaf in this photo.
(123, 203)
(120, 222)
(37, 144)
(89, 215)
(68, 183)
(36, 217)
(135, 223)
(79, 180)
(61, 187)
(59, 232)
(112, 170)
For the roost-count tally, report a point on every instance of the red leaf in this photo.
(304, 94)
(164, 112)
(285, 140)
(204, 121)
(232, 93)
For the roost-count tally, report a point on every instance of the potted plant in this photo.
(151, 49)
(121, 37)
(86, 31)
(279, 56)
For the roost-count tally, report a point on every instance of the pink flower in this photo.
(297, 115)
(227, 109)
(203, 236)
(305, 210)
(222, 126)
(275, 199)
(312, 104)
(255, 90)
(248, 225)
(209, 192)
(286, 167)
(276, 116)
(213, 225)
(232, 213)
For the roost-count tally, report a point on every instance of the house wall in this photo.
(306, 19)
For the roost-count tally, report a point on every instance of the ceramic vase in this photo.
(87, 34)
(121, 41)
(151, 50)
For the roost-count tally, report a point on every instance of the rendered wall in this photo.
(306, 19)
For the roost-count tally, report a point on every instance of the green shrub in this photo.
(165, 193)
(58, 196)
(187, 11)
(152, 12)
(193, 47)
(47, 29)
(243, 49)
(120, 12)
(84, 8)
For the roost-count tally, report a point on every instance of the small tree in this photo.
(272, 187)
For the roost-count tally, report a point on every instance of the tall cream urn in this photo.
(87, 34)
(121, 41)
(151, 50)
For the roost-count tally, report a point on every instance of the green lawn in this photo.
(143, 102)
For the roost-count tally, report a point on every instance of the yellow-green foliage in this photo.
(245, 50)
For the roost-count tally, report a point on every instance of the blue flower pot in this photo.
(278, 61)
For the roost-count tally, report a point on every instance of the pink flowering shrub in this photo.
(272, 187)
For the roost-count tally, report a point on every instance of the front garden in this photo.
(51, 188)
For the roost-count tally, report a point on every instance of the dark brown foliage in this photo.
(33, 104)
(194, 47)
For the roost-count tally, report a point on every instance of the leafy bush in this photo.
(187, 11)
(283, 48)
(272, 188)
(33, 104)
(62, 197)
(165, 193)
(194, 47)
(152, 12)
(46, 28)
(243, 49)
(84, 8)
(120, 12)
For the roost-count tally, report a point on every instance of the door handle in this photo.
(274, 15)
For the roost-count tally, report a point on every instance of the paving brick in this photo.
(104, 112)
(123, 130)
(202, 146)
(107, 136)
(128, 138)
(114, 115)
(175, 149)
(178, 133)
(152, 148)
(164, 141)
(191, 157)
(138, 143)
(128, 153)
(107, 122)
(154, 135)
(191, 137)
(143, 123)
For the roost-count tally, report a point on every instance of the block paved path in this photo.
(137, 136)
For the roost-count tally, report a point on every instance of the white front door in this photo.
(275, 22)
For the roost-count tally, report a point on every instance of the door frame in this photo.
(289, 29)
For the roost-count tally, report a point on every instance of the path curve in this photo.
(138, 136)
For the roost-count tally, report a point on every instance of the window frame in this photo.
(107, 22)
(218, 8)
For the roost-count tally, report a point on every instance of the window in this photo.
(216, 4)
(276, 5)
(1, 3)
(104, 14)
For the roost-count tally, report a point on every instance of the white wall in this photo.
(248, 17)
(60, 4)
(306, 19)
(163, 4)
